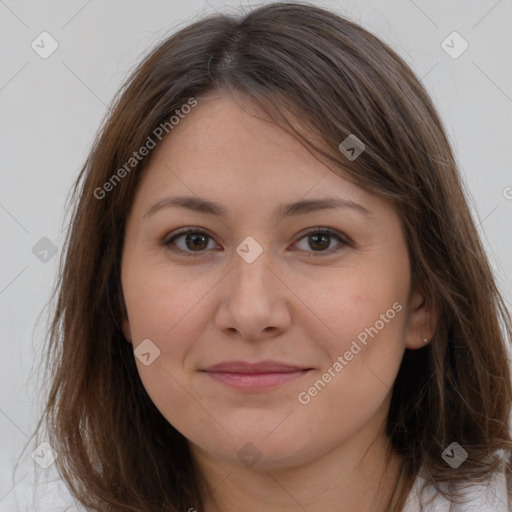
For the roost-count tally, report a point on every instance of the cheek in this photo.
(163, 306)
(362, 306)
(367, 316)
(167, 310)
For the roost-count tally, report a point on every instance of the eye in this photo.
(319, 239)
(194, 241)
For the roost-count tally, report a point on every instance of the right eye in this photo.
(192, 240)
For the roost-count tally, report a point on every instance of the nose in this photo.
(255, 303)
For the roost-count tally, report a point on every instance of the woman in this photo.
(274, 296)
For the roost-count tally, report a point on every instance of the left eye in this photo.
(320, 239)
(196, 241)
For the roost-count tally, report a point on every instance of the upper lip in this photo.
(259, 367)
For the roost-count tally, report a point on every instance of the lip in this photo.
(267, 366)
(258, 376)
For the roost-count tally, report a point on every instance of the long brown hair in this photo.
(322, 78)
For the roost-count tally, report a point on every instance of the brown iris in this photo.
(320, 239)
(199, 241)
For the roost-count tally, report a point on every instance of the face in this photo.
(316, 293)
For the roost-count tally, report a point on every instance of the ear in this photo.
(421, 323)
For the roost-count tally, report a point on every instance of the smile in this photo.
(256, 381)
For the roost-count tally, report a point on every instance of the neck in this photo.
(340, 480)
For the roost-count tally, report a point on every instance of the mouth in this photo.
(255, 376)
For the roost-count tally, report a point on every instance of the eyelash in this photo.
(319, 230)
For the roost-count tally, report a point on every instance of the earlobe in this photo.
(421, 323)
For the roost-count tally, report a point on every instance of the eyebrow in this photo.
(303, 206)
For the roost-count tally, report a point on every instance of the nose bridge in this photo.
(253, 304)
(252, 268)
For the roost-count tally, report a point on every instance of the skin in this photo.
(293, 304)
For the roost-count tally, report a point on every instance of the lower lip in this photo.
(256, 381)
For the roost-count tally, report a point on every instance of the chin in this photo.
(256, 450)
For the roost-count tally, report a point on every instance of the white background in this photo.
(51, 108)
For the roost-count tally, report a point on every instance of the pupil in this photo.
(325, 239)
(196, 238)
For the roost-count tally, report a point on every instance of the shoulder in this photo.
(492, 496)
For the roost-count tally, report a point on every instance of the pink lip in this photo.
(254, 376)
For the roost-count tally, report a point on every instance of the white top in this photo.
(478, 498)
(53, 496)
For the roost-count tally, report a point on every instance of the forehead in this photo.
(225, 146)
